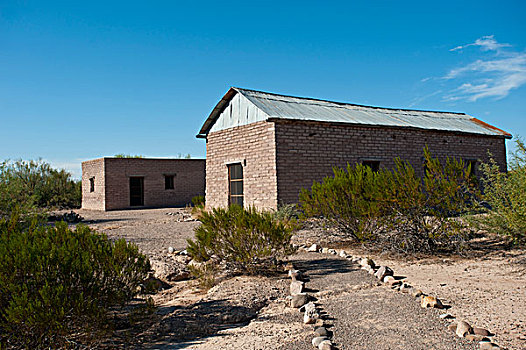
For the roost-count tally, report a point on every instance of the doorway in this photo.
(136, 191)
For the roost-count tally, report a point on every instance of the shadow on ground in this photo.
(182, 326)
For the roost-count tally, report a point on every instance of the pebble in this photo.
(486, 345)
(383, 271)
(295, 275)
(313, 248)
(429, 301)
(325, 345)
(171, 250)
(367, 262)
(446, 316)
(316, 341)
(476, 337)
(481, 331)
(321, 332)
(298, 300)
(463, 328)
(296, 287)
(325, 250)
(343, 253)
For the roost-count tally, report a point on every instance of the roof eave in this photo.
(220, 106)
(502, 133)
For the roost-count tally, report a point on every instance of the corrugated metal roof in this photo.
(298, 108)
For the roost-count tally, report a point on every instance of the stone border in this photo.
(301, 300)
(386, 275)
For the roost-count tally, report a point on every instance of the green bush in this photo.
(56, 282)
(30, 185)
(352, 200)
(396, 209)
(247, 240)
(505, 193)
(198, 201)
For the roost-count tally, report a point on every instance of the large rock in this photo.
(486, 345)
(169, 269)
(298, 300)
(463, 328)
(296, 287)
(383, 271)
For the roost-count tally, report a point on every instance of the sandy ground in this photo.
(487, 289)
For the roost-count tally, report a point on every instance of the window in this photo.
(235, 184)
(373, 164)
(92, 184)
(473, 163)
(169, 182)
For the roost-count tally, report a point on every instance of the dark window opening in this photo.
(473, 164)
(169, 182)
(92, 184)
(235, 184)
(373, 164)
(136, 191)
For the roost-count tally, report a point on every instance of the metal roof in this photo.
(276, 106)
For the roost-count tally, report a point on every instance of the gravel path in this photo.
(365, 315)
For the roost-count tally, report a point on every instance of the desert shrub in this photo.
(505, 193)
(351, 200)
(198, 201)
(58, 284)
(287, 214)
(396, 209)
(205, 273)
(421, 213)
(247, 240)
(30, 185)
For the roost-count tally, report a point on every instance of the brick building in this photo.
(262, 148)
(121, 183)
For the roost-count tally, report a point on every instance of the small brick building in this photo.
(262, 148)
(122, 183)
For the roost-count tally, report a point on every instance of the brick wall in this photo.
(93, 169)
(189, 181)
(251, 145)
(307, 151)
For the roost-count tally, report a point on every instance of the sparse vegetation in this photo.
(247, 240)
(57, 284)
(396, 209)
(32, 186)
(122, 155)
(198, 201)
(505, 194)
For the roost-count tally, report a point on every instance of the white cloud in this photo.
(486, 43)
(491, 77)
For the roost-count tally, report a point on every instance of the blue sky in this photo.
(82, 80)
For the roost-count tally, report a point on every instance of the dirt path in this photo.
(361, 314)
(487, 290)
